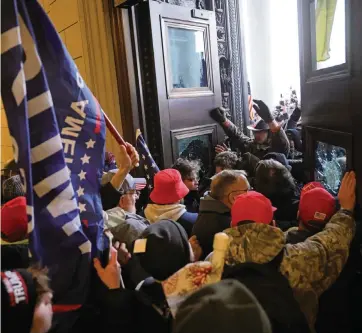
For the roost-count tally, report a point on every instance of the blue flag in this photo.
(58, 134)
(146, 160)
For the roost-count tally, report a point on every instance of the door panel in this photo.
(186, 69)
(331, 95)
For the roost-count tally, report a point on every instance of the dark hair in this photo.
(187, 169)
(226, 160)
(273, 179)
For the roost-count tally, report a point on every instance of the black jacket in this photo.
(213, 217)
(287, 206)
(14, 256)
(153, 313)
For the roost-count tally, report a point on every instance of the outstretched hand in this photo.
(218, 115)
(263, 111)
(347, 191)
(111, 274)
(221, 148)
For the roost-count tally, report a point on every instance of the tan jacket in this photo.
(311, 267)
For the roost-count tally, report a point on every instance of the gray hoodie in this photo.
(126, 227)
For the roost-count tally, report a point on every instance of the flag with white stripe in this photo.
(58, 134)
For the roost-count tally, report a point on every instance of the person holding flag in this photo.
(58, 133)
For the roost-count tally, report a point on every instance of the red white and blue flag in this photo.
(58, 135)
(146, 160)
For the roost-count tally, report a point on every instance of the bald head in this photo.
(227, 185)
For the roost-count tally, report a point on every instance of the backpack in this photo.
(273, 292)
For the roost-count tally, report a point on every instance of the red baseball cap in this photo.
(168, 187)
(14, 221)
(316, 204)
(252, 206)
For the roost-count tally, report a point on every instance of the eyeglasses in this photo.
(132, 192)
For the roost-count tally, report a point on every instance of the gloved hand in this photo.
(263, 111)
(218, 114)
(295, 116)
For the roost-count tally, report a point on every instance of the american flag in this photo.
(58, 135)
(253, 116)
(146, 160)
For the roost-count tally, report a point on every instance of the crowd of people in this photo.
(287, 265)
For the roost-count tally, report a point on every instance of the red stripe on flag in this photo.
(97, 129)
(140, 187)
(58, 308)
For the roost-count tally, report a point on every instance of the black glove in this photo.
(218, 115)
(295, 116)
(263, 111)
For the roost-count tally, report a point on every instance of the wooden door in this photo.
(331, 87)
(187, 80)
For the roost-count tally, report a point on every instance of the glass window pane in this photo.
(186, 56)
(330, 166)
(330, 25)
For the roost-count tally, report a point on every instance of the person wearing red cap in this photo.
(169, 190)
(316, 207)
(14, 228)
(310, 267)
(252, 207)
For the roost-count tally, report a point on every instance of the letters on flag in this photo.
(58, 134)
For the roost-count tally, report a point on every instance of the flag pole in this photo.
(113, 130)
(115, 133)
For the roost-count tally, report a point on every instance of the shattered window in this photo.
(330, 166)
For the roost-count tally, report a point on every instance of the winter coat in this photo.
(175, 212)
(126, 227)
(311, 267)
(192, 202)
(213, 217)
(277, 142)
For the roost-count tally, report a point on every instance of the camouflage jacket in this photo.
(311, 267)
(277, 142)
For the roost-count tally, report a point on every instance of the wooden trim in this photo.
(125, 71)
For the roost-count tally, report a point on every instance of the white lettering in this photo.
(68, 145)
(74, 126)
(79, 107)
(80, 81)
(68, 160)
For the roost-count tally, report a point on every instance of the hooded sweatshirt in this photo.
(311, 267)
(175, 212)
(213, 217)
(167, 250)
(226, 306)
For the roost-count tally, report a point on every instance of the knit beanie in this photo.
(163, 249)
(226, 306)
(18, 300)
(12, 188)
